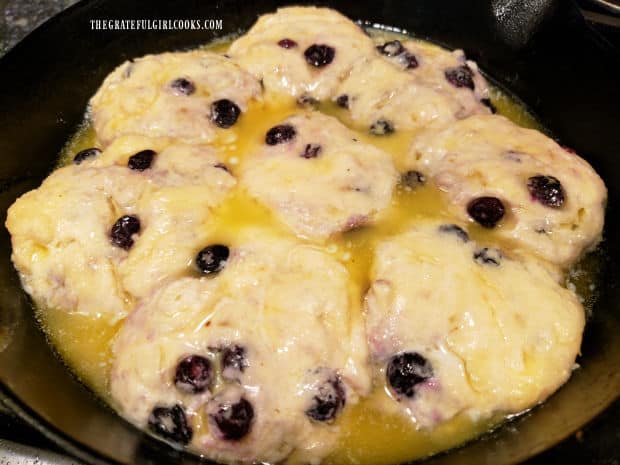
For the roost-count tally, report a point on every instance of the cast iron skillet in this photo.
(540, 50)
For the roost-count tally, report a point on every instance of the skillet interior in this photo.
(565, 73)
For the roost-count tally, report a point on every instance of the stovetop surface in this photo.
(597, 443)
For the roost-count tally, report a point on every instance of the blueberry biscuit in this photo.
(410, 85)
(101, 232)
(302, 51)
(518, 183)
(252, 361)
(195, 96)
(456, 327)
(317, 177)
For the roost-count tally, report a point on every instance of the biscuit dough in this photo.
(140, 97)
(291, 309)
(487, 155)
(382, 89)
(500, 334)
(323, 180)
(284, 68)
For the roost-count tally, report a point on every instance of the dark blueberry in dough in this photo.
(280, 134)
(287, 43)
(194, 374)
(306, 100)
(224, 113)
(487, 103)
(311, 151)
(123, 230)
(486, 211)
(85, 154)
(328, 401)
(170, 423)
(142, 160)
(547, 190)
(391, 48)
(183, 86)
(222, 166)
(412, 179)
(234, 358)
(488, 256)
(406, 370)
(212, 259)
(409, 60)
(343, 101)
(319, 55)
(381, 127)
(460, 76)
(233, 420)
(456, 230)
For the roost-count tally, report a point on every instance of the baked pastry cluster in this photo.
(248, 338)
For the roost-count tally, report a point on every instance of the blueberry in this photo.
(233, 420)
(488, 256)
(280, 134)
(409, 60)
(224, 113)
(193, 374)
(381, 127)
(328, 401)
(183, 86)
(343, 101)
(287, 43)
(222, 166)
(487, 103)
(142, 160)
(391, 48)
(311, 151)
(547, 190)
(123, 230)
(306, 100)
(406, 370)
(170, 423)
(460, 76)
(234, 358)
(456, 230)
(486, 211)
(85, 154)
(412, 179)
(319, 55)
(212, 259)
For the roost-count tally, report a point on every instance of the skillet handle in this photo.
(517, 21)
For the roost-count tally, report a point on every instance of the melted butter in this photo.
(372, 436)
(83, 343)
(368, 434)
